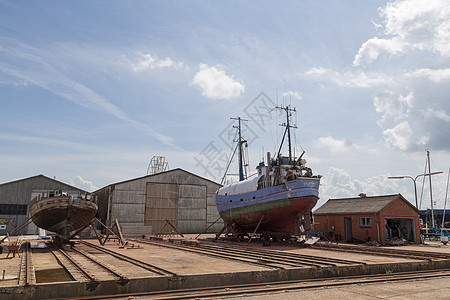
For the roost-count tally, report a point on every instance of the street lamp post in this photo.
(415, 189)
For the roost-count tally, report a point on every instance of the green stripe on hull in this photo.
(235, 213)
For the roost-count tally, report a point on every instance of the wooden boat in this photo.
(62, 214)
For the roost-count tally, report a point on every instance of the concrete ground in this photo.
(438, 288)
(9, 267)
(191, 264)
(419, 289)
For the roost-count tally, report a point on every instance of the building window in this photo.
(13, 209)
(366, 222)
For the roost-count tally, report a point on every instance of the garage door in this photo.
(402, 228)
(160, 205)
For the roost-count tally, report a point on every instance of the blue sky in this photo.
(91, 90)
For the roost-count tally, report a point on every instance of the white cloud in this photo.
(392, 105)
(317, 71)
(363, 80)
(291, 94)
(216, 84)
(432, 113)
(433, 75)
(413, 101)
(376, 25)
(333, 145)
(371, 49)
(409, 25)
(148, 62)
(400, 136)
(338, 183)
(414, 114)
(84, 184)
(357, 79)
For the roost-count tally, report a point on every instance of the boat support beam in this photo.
(254, 232)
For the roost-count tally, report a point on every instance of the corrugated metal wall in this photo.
(128, 206)
(192, 196)
(102, 197)
(191, 208)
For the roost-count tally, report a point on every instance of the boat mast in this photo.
(445, 202)
(288, 111)
(431, 191)
(240, 141)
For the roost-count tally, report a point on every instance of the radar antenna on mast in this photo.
(157, 164)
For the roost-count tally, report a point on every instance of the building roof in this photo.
(43, 177)
(158, 174)
(358, 205)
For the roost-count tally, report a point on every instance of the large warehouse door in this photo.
(160, 205)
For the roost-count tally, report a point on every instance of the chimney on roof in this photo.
(362, 195)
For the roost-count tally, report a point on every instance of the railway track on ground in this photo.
(26, 275)
(277, 287)
(412, 254)
(84, 265)
(266, 258)
(328, 261)
(184, 247)
(120, 256)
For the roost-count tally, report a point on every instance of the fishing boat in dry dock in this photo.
(62, 213)
(277, 202)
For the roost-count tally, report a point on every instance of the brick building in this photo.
(377, 218)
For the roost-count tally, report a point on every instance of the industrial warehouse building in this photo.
(184, 199)
(383, 219)
(15, 198)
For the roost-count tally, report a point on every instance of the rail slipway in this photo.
(151, 264)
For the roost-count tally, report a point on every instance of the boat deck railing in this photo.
(60, 193)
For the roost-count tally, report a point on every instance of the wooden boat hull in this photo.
(62, 214)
